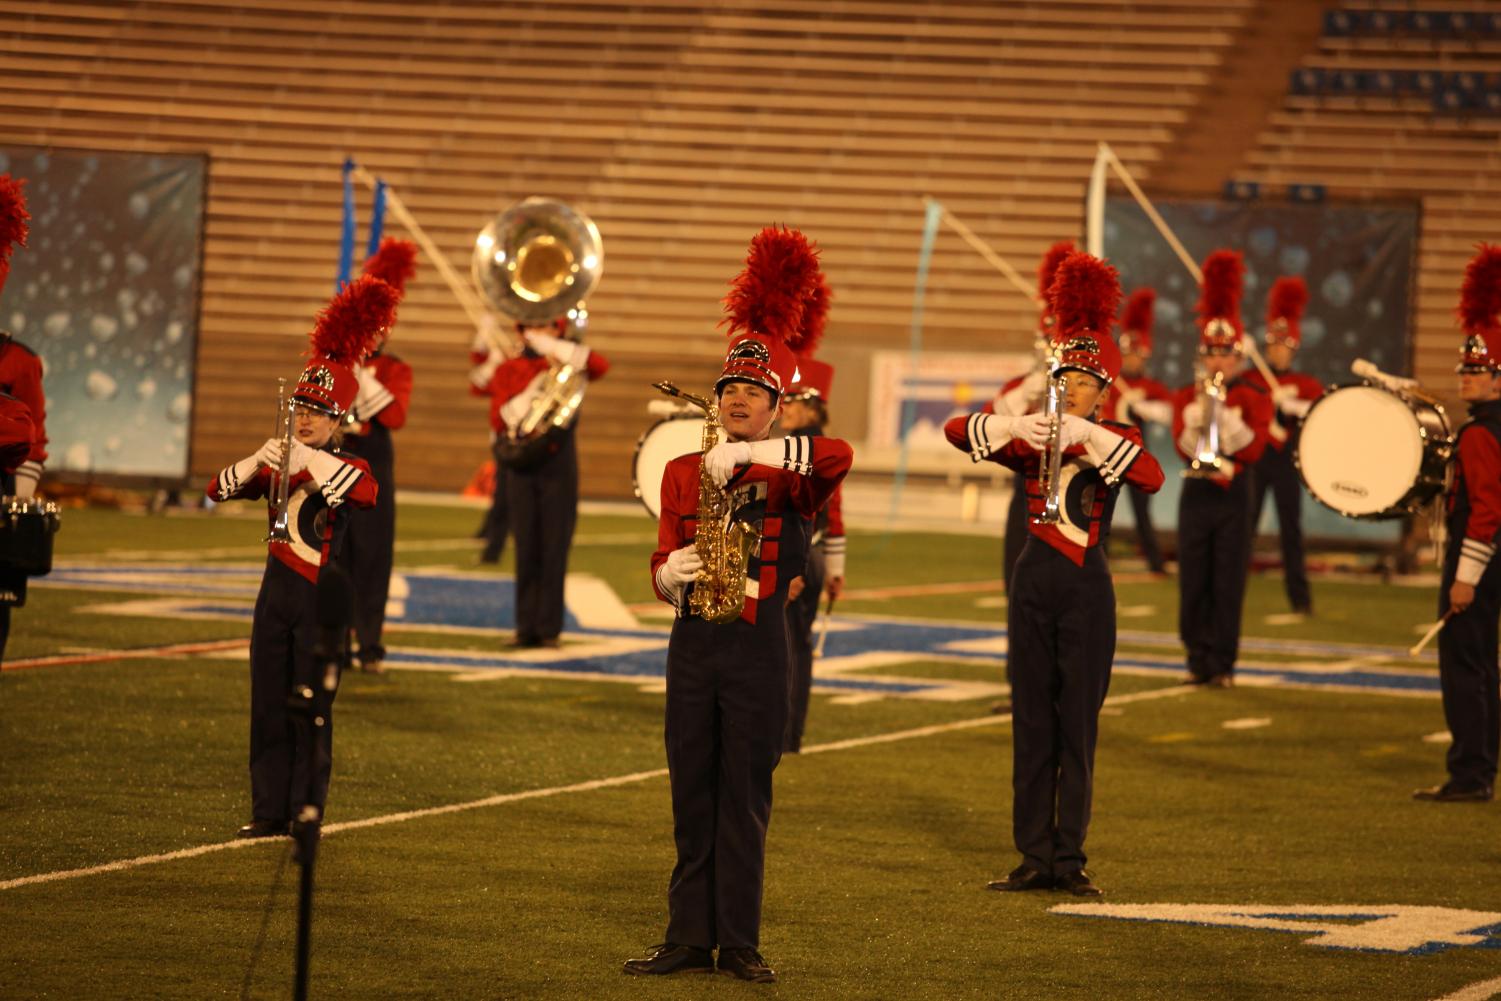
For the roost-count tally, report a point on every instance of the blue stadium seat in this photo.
(1306, 81)
(1340, 23)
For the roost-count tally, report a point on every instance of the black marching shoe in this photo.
(1079, 884)
(263, 829)
(666, 958)
(1451, 793)
(1023, 877)
(746, 964)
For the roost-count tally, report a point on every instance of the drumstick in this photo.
(823, 628)
(1428, 636)
(1277, 431)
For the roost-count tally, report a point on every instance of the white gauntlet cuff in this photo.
(1237, 437)
(795, 453)
(987, 433)
(233, 479)
(1111, 453)
(1474, 557)
(333, 475)
(833, 556)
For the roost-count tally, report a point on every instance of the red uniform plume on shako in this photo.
(778, 302)
(1220, 328)
(1136, 321)
(394, 262)
(347, 329)
(1284, 311)
(1480, 312)
(1047, 272)
(1084, 297)
(14, 221)
(813, 379)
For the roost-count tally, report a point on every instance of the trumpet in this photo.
(1208, 460)
(1050, 478)
(280, 532)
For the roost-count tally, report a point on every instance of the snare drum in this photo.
(660, 444)
(1368, 452)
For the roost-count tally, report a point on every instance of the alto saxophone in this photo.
(1050, 477)
(723, 543)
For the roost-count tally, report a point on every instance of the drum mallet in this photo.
(1428, 636)
(823, 628)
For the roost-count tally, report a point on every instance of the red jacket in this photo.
(1154, 390)
(799, 490)
(1308, 388)
(1255, 409)
(516, 376)
(21, 377)
(389, 408)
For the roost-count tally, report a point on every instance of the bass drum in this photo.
(1368, 452)
(660, 444)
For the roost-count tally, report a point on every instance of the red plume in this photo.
(1287, 300)
(1086, 294)
(815, 318)
(774, 293)
(394, 263)
(1139, 311)
(349, 326)
(1048, 269)
(1219, 298)
(1480, 295)
(14, 220)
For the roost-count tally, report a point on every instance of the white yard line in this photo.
(513, 797)
(1475, 992)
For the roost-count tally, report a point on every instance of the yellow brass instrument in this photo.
(1207, 459)
(1055, 401)
(724, 544)
(280, 532)
(536, 262)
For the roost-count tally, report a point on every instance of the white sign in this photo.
(931, 389)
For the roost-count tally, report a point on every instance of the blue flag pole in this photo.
(909, 402)
(346, 238)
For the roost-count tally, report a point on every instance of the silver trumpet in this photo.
(1207, 459)
(284, 424)
(1054, 401)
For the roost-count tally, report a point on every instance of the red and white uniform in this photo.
(385, 394)
(312, 512)
(518, 381)
(1287, 413)
(1243, 448)
(21, 377)
(1149, 399)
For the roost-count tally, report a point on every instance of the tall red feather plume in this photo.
(1139, 310)
(1287, 299)
(815, 318)
(773, 294)
(349, 326)
(394, 262)
(1219, 298)
(1047, 271)
(1085, 295)
(14, 220)
(1480, 295)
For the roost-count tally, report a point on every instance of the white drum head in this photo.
(663, 441)
(1361, 450)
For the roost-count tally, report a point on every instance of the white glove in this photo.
(1156, 411)
(682, 566)
(1234, 432)
(1231, 421)
(1193, 414)
(1032, 429)
(1130, 398)
(722, 459)
(300, 456)
(373, 396)
(1074, 431)
(269, 454)
(1293, 406)
(1284, 391)
(1024, 396)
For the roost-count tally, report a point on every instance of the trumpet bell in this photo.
(537, 260)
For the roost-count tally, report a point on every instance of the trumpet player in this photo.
(1061, 610)
(542, 490)
(1469, 597)
(1275, 470)
(1136, 398)
(1220, 427)
(380, 408)
(727, 679)
(319, 481)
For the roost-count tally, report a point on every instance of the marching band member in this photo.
(20, 368)
(727, 684)
(1061, 612)
(1295, 394)
(485, 356)
(542, 489)
(321, 481)
(1135, 398)
(1023, 395)
(1469, 596)
(379, 408)
(805, 411)
(1214, 512)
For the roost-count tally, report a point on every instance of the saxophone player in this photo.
(542, 487)
(320, 481)
(1061, 609)
(1214, 510)
(727, 681)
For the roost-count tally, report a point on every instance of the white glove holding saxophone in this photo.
(682, 566)
(721, 460)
